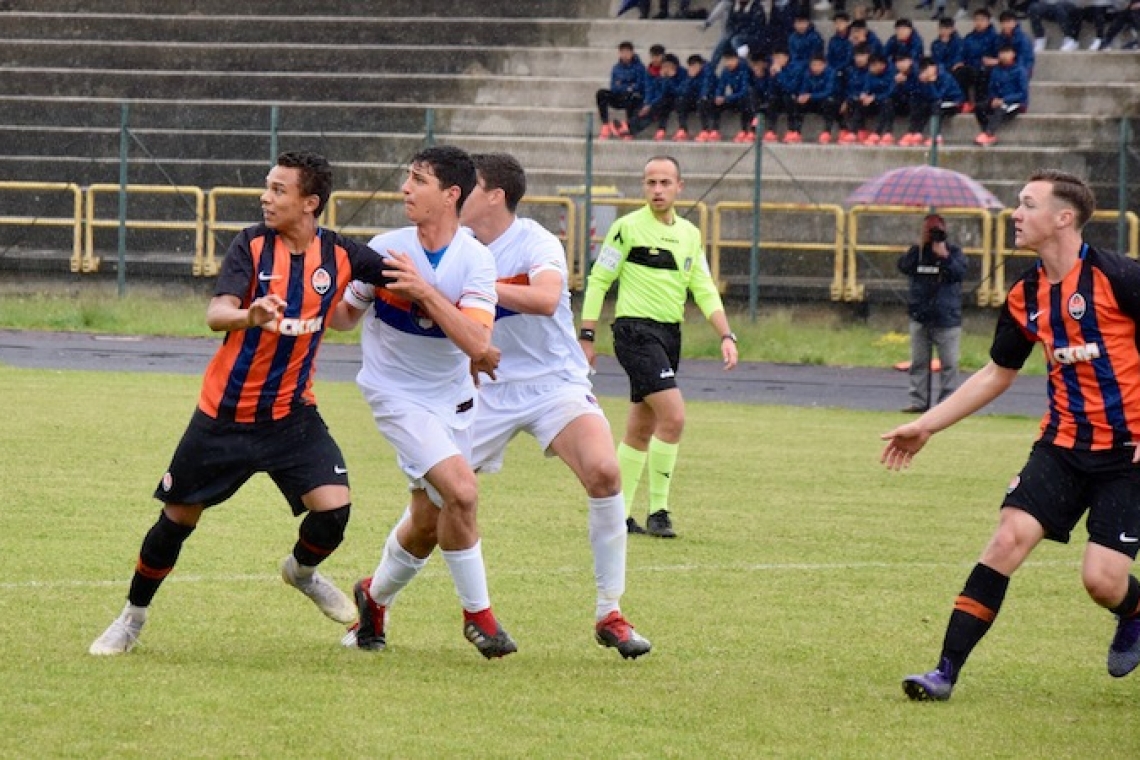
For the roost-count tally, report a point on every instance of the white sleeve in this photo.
(479, 290)
(359, 295)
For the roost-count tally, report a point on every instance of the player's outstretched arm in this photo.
(225, 313)
(907, 440)
(345, 317)
(541, 296)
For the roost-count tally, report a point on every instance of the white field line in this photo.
(437, 571)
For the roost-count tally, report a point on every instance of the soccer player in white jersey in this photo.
(541, 384)
(422, 334)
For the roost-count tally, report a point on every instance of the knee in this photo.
(603, 480)
(671, 426)
(1103, 586)
(464, 495)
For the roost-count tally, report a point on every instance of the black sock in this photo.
(974, 612)
(1130, 607)
(157, 556)
(320, 534)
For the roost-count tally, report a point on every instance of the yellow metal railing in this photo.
(856, 291)
(209, 266)
(75, 221)
(834, 247)
(197, 225)
(1002, 251)
(333, 210)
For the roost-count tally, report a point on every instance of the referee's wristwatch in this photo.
(728, 336)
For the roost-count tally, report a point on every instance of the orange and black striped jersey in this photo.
(1087, 326)
(263, 373)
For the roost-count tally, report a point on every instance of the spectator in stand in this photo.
(804, 43)
(656, 56)
(664, 95)
(882, 9)
(1127, 14)
(904, 92)
(733, 93)
(1097, 12)
(693, 97)
(904, 38)
(628, 80)
(782, 22)
(784, 84)
(823, 6)
(1007, 95)
(744, 30)
(875, 100)
(946, 49)
(817, 94)
(978, 47)
(937, 92)
(1064, 13)
(761, 86)
(855, 86)
(1009, 33)
(861, 34)
(839, 51)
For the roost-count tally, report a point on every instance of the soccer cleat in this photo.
(987, 139)
(490, 645)
(928, 141)
(871, 139)
(680, 135)
(622, 131)
(121, 636)
(606, 133)
(371, 632)
(770, 137)
(660, 525)
(824, 138)
(1124, 651)
(791, 137)
(1096, 44)
(328, 598)
(741, 136)
(1069, 44)
(846, 137)
(614, 631)
(967, 107)
(1039, 45)
(862, 135)
(887, 139)
(714, 136)
(631, 526)
(659, 135)
(934, 686)
(909, 139)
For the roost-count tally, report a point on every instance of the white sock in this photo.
(608, 540)
(134, 611)
(469, 576)
(396, 570)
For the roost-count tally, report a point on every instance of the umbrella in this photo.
(626, 6)
(924, 186)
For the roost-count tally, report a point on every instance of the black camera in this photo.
(938, 235)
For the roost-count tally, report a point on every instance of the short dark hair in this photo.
(1007, 16)
(625, 45)
(903, 55)
(877, 58)
(695, 58)
(730, 53)
(859, 23)
(945, 23)
(1071, 190)
(841, 16)
(657, 49)
(670, 58)
(502, 171)
(757, 56)
(452, 166)
(861, 49)
(819, 57)
(904, 22)
(983, 12)
(316, 174)
(926, 61)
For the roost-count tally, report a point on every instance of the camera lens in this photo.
(938, 236)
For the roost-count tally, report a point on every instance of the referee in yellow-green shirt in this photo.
(659, 259)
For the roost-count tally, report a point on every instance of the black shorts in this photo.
(214, 459)
(1058, 485)
(649, 352)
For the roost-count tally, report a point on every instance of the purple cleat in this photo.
(934, 686)
(1124, 651)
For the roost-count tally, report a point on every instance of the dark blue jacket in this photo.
(935, 296)
(839, 53)
(801, 47)
(1010, 83)
(761, 89)
(1022, 44)
(947, 54)
(977, 45)
(906, 89)
(856, 82)
(914, 46)
(874, 44)
(945, 89)
(818, 86)
(700, 86)
(786, 82)
(629, 77)
(734, 86)
(751, 23)
(881, 86)
(662, 87)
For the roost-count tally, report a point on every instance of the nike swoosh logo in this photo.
(1127, 539)
(340, 470)
(267, 277)
(1033, 315)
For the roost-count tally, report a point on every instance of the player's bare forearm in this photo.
(345, 317)
(226, 314)
(472, 337)
(540, 296)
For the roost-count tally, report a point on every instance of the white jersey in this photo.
(406, 354)
(534, 346)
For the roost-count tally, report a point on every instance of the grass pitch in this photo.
(807, 581)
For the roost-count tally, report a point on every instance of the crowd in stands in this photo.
(767, 67)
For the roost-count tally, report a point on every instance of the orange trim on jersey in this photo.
(485, 318)
(393, 300)
(516, 279)
(975, 608)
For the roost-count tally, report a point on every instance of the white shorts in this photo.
(423, 437)
(541, 409)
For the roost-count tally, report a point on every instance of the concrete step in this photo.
(295, 8)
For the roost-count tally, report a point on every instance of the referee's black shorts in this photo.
(215, 458)
(649, 352)
(1057, 486)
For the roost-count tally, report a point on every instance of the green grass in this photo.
(823, 335)
(807, 581)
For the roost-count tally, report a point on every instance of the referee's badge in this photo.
(688, 264)
(1077, 306)
(322, 281)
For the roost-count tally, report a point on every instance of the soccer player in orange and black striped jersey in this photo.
(1083, 306)
(256, 412)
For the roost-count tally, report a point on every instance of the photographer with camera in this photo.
(935, 268)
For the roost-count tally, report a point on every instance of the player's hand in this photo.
(265, 310)
(406, 278)
(486, 364)
(902, 444)
(729, 353)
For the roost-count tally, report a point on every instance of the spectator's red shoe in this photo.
(770, 137)
(741, 137)
(985, 139)
(792, 137)
(714, 136)
(862, 135)
(928, 141)
(606, 133)
(871, 139)
(659, 136)
(824, 138)
(680, 136)
(967, 107)
(887, 139)
(846, 138)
